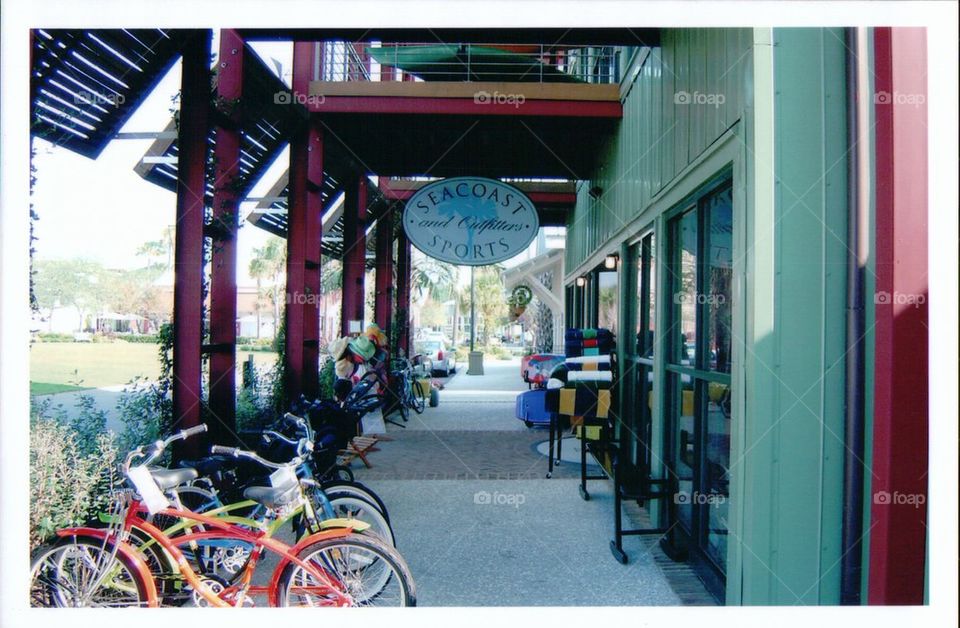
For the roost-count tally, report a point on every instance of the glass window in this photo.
(685, 286)
(719, 209)
(608, 300)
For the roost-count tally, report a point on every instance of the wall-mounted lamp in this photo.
(610, 261)
(581, 282)
(595, 192)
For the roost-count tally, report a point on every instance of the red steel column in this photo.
(223, 273)
(900, 431)
(306, 181)
(383, 306)
(354, 252)
(403, 292)
(188, 256)
(297, 232)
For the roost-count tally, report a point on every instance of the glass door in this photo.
(698, 378)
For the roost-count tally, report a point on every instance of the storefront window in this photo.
(608, 297)
(719, 272)
(699, 367)
(685, 291)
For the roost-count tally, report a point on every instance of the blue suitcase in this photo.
(531, 408)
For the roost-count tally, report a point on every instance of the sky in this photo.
(102, 210)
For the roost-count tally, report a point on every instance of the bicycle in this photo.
(98, 566)
(225, 560)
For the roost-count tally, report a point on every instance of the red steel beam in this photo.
(464, 106)
(188, 252)
(306, 181)
(383, 306)
(901, 421)
(298, 227)
(403, 292)
(223, 273)
(354, 252)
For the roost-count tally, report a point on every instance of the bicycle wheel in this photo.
(349, 507)
(419, 403)
(356, 489)
(84, 572)
(367, 570)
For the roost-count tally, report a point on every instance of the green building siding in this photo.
(794, 439)
(657, 139)
(787, 448)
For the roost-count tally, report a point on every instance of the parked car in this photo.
(443, 356)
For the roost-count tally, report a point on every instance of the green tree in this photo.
(491, 301)
(268, 266)
(80, 283)
(160, 252)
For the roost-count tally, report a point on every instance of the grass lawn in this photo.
(42, 388)
(65, 366)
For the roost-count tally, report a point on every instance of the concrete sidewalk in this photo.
(480, 525)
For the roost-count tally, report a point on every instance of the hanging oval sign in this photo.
(471, 221)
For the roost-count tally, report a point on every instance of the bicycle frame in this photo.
(222, 529)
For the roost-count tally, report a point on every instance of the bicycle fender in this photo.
(353, 524)
(127, 550)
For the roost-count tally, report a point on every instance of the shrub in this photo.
(143, 338)
(72, 469)
(52, 337)
(146, 411)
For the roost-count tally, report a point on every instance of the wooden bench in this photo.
(359, 447)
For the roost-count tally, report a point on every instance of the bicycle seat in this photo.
(168, 478)
(271, 497)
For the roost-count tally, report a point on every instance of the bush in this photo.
(52, 337)
(72, 468)
(146, 411)
(141, 338)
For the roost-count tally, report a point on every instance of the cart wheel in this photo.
(528, 423)
(434, 398)
(549, 475)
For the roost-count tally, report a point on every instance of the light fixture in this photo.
(610, 261)
(581, 282)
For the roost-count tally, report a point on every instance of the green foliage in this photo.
(278, 376)
(54, 337)
(146, 412)
(72, 467)
(141, 338)
(491, 305)
(327, 377)
(268, 266)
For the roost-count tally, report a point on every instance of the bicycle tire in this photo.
(419, 402)
(356, 489)
(368, 555)
(352, 507)
(49, 573)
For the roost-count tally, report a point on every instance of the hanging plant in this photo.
(521, 296)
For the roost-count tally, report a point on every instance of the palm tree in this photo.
(438, 280)
(269, 262)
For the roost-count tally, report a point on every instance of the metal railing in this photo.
(365, 61)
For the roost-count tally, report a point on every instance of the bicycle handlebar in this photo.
(243, 453)
(154, 450)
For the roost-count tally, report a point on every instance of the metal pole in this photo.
(473, 309)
